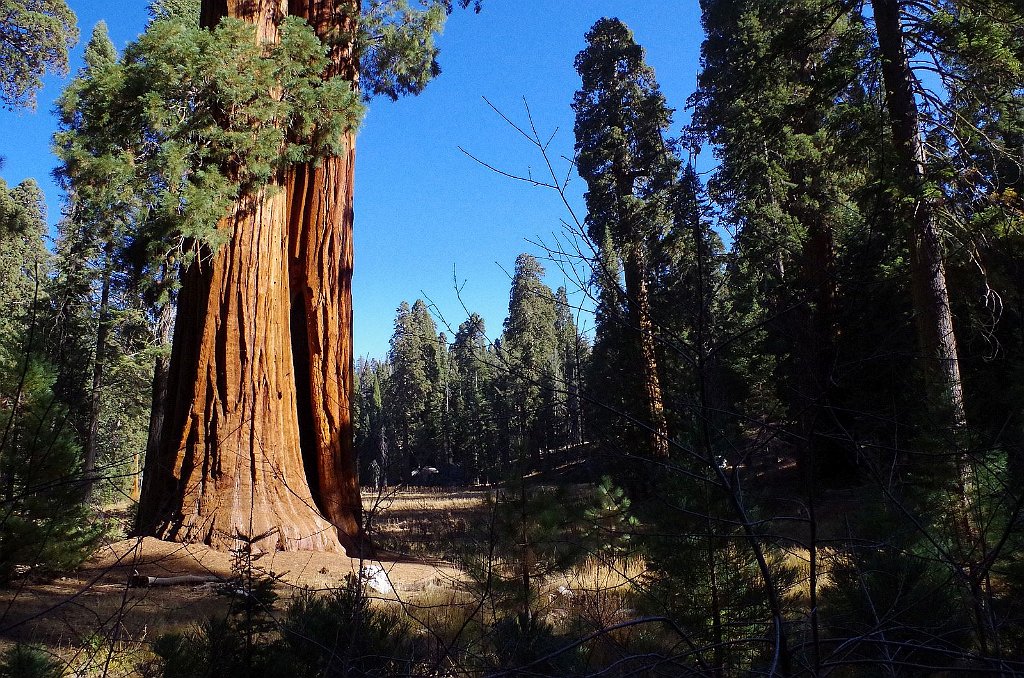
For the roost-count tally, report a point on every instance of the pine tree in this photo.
(35, 36)
(927, 265)
(774, 104)
(530, 361)
(979, 40)
(23, 257)
(415, 390)
(43, 523)
(371, 443)
(690, 305)
(97, 234)
(473, 420)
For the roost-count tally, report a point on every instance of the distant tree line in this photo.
(474, 408)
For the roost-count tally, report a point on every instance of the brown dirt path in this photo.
(96, 598)
(301, 569)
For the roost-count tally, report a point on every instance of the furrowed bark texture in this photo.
(639, 306)
(321, 256)
(232, 425)
(258, 436)
(320, 230)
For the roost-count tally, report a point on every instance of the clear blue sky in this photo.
(423, 209)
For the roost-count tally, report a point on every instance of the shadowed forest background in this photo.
(771, 424)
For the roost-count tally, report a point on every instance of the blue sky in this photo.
(424, 209)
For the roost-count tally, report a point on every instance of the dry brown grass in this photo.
(595, 594)
(97, 626)
(424, 523)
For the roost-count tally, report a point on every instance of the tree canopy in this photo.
(35, 36)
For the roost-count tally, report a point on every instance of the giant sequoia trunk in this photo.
(320, 249)
(639, 307)
(257, 436)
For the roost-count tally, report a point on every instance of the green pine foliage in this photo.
(779, 110)
(530, 371)
(416, 391)
(370, 422)
(128, 152)
(397, 55)
(35, 36)
(44, 525)
(621, 125)
(23, 256)
(343, 634)
(534, 535)
(320, 634)
(25, 661)
(573, 357)
(468, 408)
(899, 604)
(612, 380)
(810, 515)
(474, 430)
(185, 10)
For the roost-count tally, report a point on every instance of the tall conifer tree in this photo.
(774, 93)
(621, 116)
(529, 350)
(231, 193)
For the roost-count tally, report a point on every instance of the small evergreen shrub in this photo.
(45, 526)
(24, 661)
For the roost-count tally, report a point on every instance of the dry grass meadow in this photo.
(100, 626)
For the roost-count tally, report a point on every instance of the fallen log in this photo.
(142, 581)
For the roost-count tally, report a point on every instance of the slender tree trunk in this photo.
(96, 392)
(161, 371)
(931, 301)
(931, 296)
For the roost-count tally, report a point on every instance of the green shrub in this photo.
(341, 634)
(44, 523)
(24, 661)
(320, 635)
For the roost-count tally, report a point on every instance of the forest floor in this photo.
(78, 615)
(97, 623)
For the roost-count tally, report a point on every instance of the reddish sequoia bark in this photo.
(320, 250)
(320, 255)
(258, 432)
(232, 463)
(639, 308)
